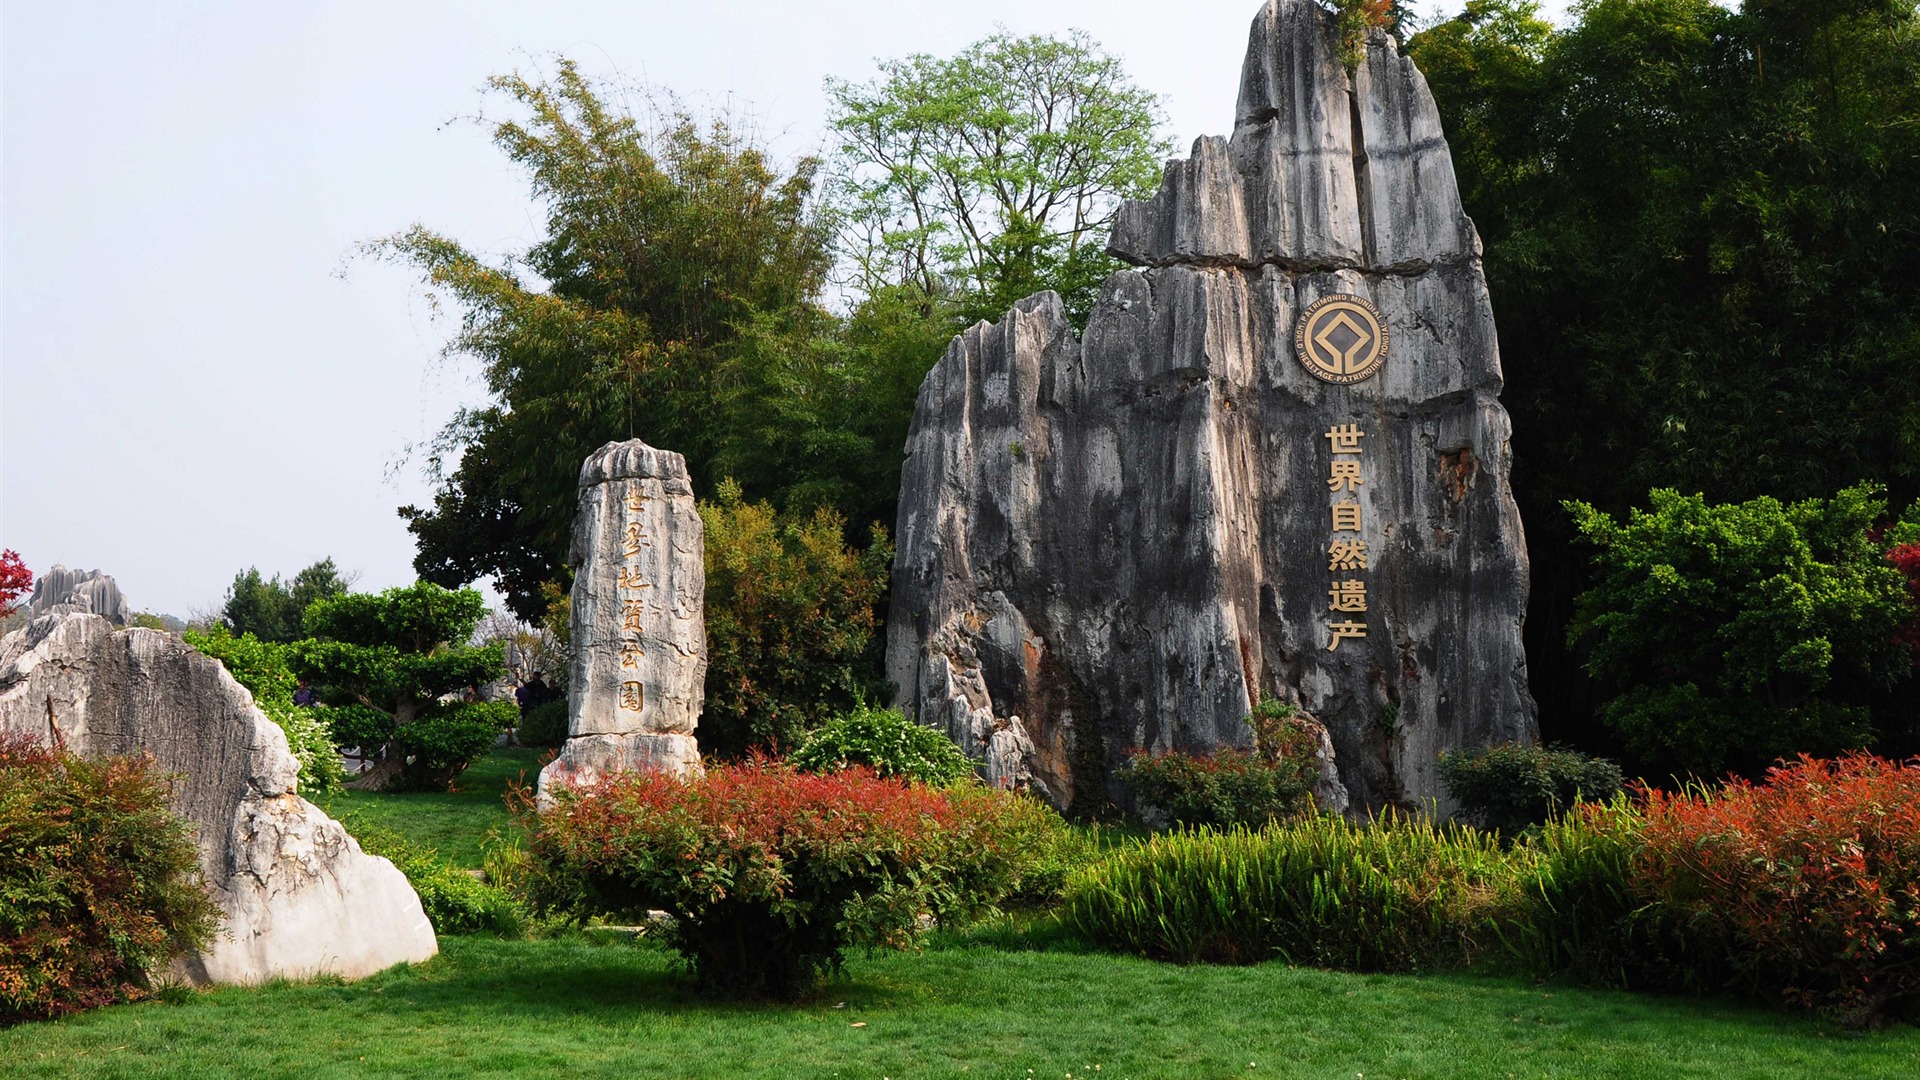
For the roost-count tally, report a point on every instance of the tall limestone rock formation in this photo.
(639, 626)
(1276, 463)
(81, 590)
(296, 894)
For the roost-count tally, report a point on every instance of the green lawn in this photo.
(455, 823)
(963, 1007)
(570, 1007)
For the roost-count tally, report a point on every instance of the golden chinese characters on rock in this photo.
(629, 587)
(1342, 339)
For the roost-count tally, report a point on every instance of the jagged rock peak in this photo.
(1326, 169)
(80, 590)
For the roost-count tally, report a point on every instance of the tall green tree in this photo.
(270, 609)
(984, 177)
(666, 240)
(1703, 246)
(381, 662)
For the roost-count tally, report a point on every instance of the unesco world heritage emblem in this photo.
(1341, 338)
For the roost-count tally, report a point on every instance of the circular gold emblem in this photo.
(1341, 338)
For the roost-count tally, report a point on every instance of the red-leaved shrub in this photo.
(1805, 887)
(771, 873)
(98, 881)
(1906, 559)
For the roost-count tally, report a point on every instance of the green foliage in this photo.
(1514, 787)
(986, 177)
(886, 741)
(1735, 634)
(99, 883)
(790, 619)
(664, 240)
(1232, 786)
(1698, 226)
(381, 662)
(264, 668)
(456, 901)
(543, 725)
(272, 611)
(1395, 894)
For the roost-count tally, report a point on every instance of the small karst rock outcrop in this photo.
(80, 590)
(1120, 542)
(639, 624)
(297, 895)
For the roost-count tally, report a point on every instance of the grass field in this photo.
(455, 823)
(570, 1007)
(985, 1004)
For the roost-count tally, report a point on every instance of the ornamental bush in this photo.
(99, 883)
(1511, 788)
(544, 724)
(771, 874)
(1731, 635)
(886, 741)
(455, 901)
(384, 662)
(791, 615)
(1803, 889)
(1233, 786)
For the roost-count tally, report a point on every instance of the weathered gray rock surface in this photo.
(639, 618)
(80, 590)
(297, 894)
(1120, 542)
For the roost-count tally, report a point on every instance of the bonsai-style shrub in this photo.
(382, 662)
(1232, 786)
(1803, 889)
(1509, 788)
(99, 883)
(885, 741)
(264, 668)
(771, 874)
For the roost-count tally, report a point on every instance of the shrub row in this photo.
(1804, 889)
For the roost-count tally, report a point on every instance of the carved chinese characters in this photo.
(639, 624)
(1346, 554)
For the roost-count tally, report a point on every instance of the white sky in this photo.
(189, 384)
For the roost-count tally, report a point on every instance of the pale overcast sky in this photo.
(190, 384)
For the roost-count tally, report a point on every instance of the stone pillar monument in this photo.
(639, 619)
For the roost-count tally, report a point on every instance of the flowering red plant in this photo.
(771, 873)
(1906, 559)
(1809, 882)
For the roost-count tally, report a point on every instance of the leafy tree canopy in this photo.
(1702, 242)
(666, 241)
(382, 661)
(993, 174)
(272, 610)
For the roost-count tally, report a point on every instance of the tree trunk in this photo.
(388, 774)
